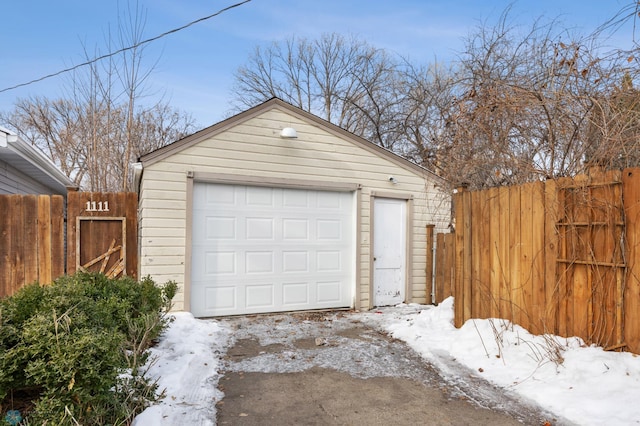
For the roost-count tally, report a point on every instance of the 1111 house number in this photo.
(97, 206)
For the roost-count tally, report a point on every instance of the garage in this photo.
(259, 249)
(276, 210)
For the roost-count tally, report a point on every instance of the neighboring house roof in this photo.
(272, 103)
(32, 162)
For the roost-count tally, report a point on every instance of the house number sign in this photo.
(97, 206)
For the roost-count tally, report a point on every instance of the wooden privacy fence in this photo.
(560, 257)
(101, 236)
(31, 240)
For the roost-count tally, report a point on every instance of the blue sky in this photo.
(196, 66)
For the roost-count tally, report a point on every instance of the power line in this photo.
(124, 49)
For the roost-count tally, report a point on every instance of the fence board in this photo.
(536, 287)
(484, 279)
(551, 291)
(526, 270)
(450, 272)
(458, 291)
(466, 270)
(476, 244)
(564, 272)
(57, 244)
(513, 285)
(5, 235)
(494, 256)
(429, 259)
(16, 241)
(440, 267)
(445, 266)
(30, 214)
(616, 244)
(44, 238)
(503, 254)
(631, 198)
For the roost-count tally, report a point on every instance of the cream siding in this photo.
(252, 148)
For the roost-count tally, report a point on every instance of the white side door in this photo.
(389, 251)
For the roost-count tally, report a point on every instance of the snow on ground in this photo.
(186, 362)
(584, 385)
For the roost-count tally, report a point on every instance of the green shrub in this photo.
(76, 347)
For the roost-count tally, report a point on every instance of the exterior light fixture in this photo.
(288, 133)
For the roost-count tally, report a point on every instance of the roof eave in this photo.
(56, 180)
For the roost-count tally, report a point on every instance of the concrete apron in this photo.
(330, 369)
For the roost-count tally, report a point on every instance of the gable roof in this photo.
(29, 160)
(275, 103)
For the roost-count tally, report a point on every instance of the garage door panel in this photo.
(295, 293)
(278, 249)
(325, 200)
(329, 291)
(259, 262)
(329, 261)
(259, 228)
(219, 263)
(329, 229)
(220, 228)
(295, 261)
(221, 297)
(260, 296)
(220, 195)
(259, 196)
(295, 198)
(295, 229)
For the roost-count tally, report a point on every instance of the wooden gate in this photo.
(102, 233)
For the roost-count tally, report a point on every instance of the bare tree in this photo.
(524, 105)
(428, 94)
(343, 80)
(102, 124)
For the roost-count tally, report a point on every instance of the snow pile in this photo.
(186, 363)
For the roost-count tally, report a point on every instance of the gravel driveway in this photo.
(332, 369)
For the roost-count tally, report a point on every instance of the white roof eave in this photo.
(32, 162)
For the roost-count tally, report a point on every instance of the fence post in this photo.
(458, 306)
(429, 262)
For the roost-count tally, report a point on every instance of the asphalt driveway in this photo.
(331, 369)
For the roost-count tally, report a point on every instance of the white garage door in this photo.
(262, 249)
